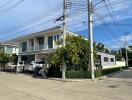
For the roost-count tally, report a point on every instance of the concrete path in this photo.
(23, 87)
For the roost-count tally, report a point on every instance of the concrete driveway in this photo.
(23, 87)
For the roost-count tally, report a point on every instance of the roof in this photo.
(15, 41)
(7, 45)
(103, 53)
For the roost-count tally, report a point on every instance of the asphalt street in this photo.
(25, 87)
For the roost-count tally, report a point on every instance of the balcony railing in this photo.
(40, 47)
(31, 48)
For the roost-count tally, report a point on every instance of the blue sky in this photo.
(22, 17)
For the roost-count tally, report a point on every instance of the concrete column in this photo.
(35, 43)
(17, 67)
(28, 45)
(45, 42)
(36, 57)
(54, 46)
(5, 49)
(20, 49)
(19, 58)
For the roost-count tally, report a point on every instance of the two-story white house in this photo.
(37, 45)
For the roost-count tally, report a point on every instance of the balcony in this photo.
(30, 48)
(39, 47)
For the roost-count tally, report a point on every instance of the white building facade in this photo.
(109, 61)
(9, 49)
(36, 46)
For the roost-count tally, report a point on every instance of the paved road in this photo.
(125, 74)
(23, 87)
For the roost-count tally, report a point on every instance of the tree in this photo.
(4, 59)
(14, 59)
(117, 54)
(101, 48)
(75, 54)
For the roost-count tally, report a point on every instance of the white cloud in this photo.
(118, 9)
(74, 23)
(119, 42)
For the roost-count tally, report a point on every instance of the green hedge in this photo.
(98, 73)
(85, 74)
(54, 72)
(112, 70)
(77, 74)
(82, 74)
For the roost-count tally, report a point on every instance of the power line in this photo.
(110, 33)
(35, 19)
(125, 25)
(115, 3)
(18, 33)
(6, 4)
(112, 17)
(3, 12)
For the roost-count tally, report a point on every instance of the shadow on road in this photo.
(123, 74)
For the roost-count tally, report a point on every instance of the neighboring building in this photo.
(9, 49)
(108, 61)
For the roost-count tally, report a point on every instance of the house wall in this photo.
(10, 49)
(118, 64)
(109, 61)
(15, 51)
(36, 46)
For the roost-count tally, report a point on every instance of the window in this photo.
(50, 42)
(112, 59)
(32, 42)
(106, 59)
(9, 50)
(40, 42)
(57, 37)
(24, 46)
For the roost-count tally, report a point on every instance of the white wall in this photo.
(109, 56)
(118, 64)
(45, 41)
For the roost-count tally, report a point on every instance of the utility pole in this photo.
(126, 46)
(64, 34)
(90, 34)
(121, 57)
(121, 52)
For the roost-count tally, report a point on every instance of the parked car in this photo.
(39, 69)
(12, 67)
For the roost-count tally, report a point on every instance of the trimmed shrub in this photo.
(98, 73)
(78, 74)
(112, 70)
(54, 72)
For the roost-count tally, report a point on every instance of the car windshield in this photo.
(40, 62)
(20, 62)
